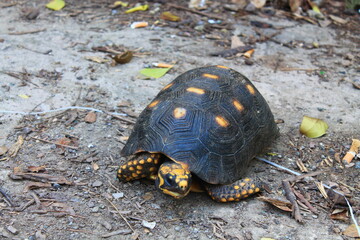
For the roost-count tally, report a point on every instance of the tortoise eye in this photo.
(169, 180)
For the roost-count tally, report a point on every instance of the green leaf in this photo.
(154, 72)
(313, 127)
(56, 5)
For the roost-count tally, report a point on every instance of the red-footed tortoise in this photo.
(205, 125)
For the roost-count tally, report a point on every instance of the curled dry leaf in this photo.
(313, 127)
(124, 57)
(340, 214)
(281, 204)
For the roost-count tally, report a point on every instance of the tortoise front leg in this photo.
(234, 192)
(141, 165)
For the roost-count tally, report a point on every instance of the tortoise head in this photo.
(174, 179)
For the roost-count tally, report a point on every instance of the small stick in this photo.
(36, 199)
(117, 210)
(195, 11)
(59, 144)
(7, 198)
(121, 118)
(303, 200)
(27, 32)
(292, 198)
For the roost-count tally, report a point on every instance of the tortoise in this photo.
(200, 133)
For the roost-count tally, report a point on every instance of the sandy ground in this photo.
(296, 81)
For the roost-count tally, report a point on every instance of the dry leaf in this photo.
(36, 169)
(14, 149)
(90, 117)
(170, 17)
(351, 231)
(337, 19)
(283, 205)
(33, 185)
(313, 127)
(97, 59)
(340, 214)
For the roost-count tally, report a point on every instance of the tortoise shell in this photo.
(212, 119)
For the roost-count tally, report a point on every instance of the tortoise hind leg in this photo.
(140, 165)
(234, 192)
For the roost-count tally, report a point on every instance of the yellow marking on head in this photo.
(223, 200)
(231, 199)
(131, 168)
(167, 86)
(212, 76)
(250, 89)
(134, 175)
(251, 191)
(123, 166)
(179, 112)
(135, 162)
(138, 172)
(236, 187)
(238, 195)
(156, 161)
(143, 175)
(242, 184)
(238, 105)
(220, 66)
(257, 189)
(129, 163)
(243, 192)
(252, 186)
(246, 196)
(183, 184)
(142, 161)
(139, 167)
(149, 160)
(195, 90)
(222, 121)
(153, 104)
(247, 179)
(152, 169)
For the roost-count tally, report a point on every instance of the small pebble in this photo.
(357, 165)
(12, 230)
(97, 183)
(118, 195)
(150, 225)
(106, 225)
(95, 209)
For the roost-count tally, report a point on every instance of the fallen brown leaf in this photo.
(351, 231)
(340, 214)
(36, 168)
(281, 204)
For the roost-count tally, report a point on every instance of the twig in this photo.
(36, 199)
(292, 198)
(59, 144)
(25, 205)
(303, 200)
(171, 5)
(27, 32)
(117, 210)
(121, 118)
(7, 198)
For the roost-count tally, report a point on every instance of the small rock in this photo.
(3, 150)
(97, 183)
(90, 117)
(106, 225)
(357, 165)
(95, 209)
(118, 195)
(150, 225)
(12, 230)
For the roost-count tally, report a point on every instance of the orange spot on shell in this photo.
(208, 75)
(153, 104)
(195, 90)
(223, 200)
(251, 191)
(244, 192)
(251, 89)
(220, 66)
(167, 86)
(222, 121)
(179, 112)
(238, 105)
